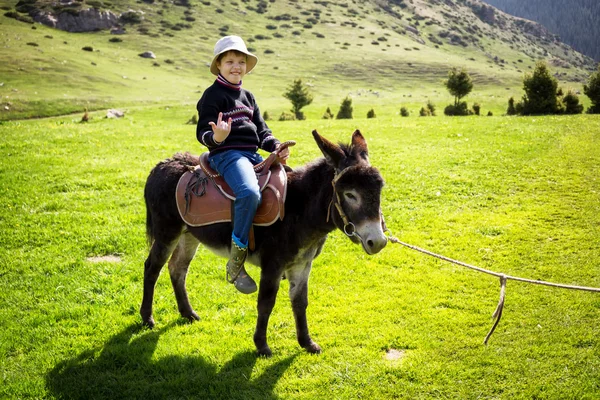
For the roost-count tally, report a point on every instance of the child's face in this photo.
(232, 66)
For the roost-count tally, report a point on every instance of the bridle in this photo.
(349, 227)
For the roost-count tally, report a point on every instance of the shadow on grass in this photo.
(125, 368)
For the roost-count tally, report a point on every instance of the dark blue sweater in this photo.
(248, 129)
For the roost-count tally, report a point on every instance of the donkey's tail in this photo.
(159, 195)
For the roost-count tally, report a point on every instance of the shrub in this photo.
(266, 116)
(490, 114)
(193, 120)
(345, 111)
(592, 90)
(115, 40)
(424, 112)
(404, 112)
(130, 17)
(459, 109)
(286, 117)
(571, 103)
(431, 108)
(328, 114)
(371, 113)
(511, 110)
(300, 96)
(540, 92)
(476, 108)
(87, 48)
(18, 17)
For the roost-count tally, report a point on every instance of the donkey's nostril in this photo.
(370, 243)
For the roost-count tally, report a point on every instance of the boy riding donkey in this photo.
(231, 127)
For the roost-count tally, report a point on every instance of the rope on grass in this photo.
(503, 278)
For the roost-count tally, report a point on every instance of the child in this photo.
(231, 126)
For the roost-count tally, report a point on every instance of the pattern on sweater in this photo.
(239, 114)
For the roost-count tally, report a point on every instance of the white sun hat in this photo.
(229, 43)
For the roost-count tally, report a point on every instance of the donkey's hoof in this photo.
(265, 352)
(191, 316)
(313, 348)
(148, 322)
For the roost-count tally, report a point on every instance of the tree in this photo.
(541, 92)
(345, 111)
(459, 84)
(592, 90)
(300, 96)
(571, 103)
(511, 110)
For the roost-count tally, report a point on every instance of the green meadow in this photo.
(511, 194)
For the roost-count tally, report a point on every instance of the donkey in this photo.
(341, 190)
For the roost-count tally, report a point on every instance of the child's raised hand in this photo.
(221, 129)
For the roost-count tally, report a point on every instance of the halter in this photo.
(349, 227)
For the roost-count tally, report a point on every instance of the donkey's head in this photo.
(355, 206)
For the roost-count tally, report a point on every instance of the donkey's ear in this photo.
(359, 146)
(332, 152)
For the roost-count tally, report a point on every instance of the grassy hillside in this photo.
(378, 52)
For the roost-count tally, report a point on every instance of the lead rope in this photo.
(503, 278)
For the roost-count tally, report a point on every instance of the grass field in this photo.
(515, 195)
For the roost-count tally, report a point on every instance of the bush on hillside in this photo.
(511, 110)
(371, 113)
(459, 109)
(404, 112)
(571, 103)
(476, 109)
(592, 90)
(541, 92)
(287, 117)
(328, 114)
(431, 108)
(345, 111)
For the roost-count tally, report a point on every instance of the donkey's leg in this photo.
(159, 254)
(267, 294)
(298, 278)
(178, 269)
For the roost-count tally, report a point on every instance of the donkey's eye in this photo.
(350, 196)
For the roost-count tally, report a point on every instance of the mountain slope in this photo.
(380, 50)
(576, 21)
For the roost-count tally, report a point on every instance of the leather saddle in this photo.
(204, 198)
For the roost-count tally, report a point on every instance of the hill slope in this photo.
(380, 50)
(576, 21)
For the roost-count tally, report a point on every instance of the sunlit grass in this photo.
(515, 195)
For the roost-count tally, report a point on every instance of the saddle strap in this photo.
(196, 186)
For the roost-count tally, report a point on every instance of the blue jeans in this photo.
(236, 166)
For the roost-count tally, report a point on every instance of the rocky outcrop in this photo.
(86, 20)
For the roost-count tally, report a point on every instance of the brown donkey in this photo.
(341, 190)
